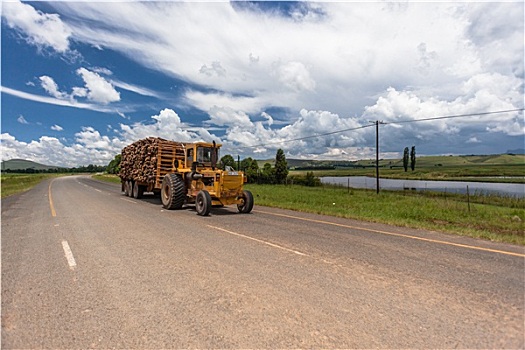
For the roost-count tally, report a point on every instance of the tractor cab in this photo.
(203, 154)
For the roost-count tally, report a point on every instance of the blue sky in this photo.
(81, 80)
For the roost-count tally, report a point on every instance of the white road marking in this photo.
(96, 189)
(258, 240)
(128, 200)
(69, 255)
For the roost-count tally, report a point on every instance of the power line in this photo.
(455, 116)
(374, 124)
(307, 137)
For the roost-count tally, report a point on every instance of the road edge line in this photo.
(396, 234)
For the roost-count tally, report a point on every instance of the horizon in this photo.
(509, 152)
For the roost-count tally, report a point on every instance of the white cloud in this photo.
(473, 140)
(98, 89)
(90, 146)
(322, 58)
(481, 93)
(41, 29)
(208, 101)
(102, 70)
(52, 88)
(214, 70)
(227, 116)
(55, 101)
(295, 76)
(47, 150)
(57, 127)
(167, 124)
(135, 88)
(22, 120)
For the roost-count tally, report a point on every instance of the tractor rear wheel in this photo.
(203, 203)
(173, 192)
(247, 202)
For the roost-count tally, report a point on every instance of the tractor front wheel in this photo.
(246, 204)
(203, 203)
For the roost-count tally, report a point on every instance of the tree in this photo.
(405, 159)
(114, 166)
(413, 158)
(267, 174)
(310, 179)
(250, 168)
(281, 167)
(228, 160)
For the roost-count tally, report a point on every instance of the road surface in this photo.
(85, 267)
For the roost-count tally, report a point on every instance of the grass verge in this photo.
(107, 178)
(17, 183)
(489, 217)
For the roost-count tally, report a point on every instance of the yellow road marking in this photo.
(395, 234)
(53, 212)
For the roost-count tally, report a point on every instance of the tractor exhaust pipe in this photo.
(214, 156)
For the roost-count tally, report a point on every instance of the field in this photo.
(498, 168)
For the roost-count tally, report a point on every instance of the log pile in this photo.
(139, 160)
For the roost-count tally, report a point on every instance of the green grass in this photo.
(469, 172)
(17, 183)
(107, 178)
(490, 217)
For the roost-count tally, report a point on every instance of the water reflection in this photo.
(507, 189)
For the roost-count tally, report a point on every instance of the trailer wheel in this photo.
(203, 203)
(125, 187)
(172, 192)
(138, 190)
(129, 188)
(247, 202)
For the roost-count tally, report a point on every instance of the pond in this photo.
(505, 189)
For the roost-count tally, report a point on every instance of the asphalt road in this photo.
(85, 267)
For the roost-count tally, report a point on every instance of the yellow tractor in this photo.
(183, 173)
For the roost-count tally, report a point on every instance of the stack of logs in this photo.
(139, 160)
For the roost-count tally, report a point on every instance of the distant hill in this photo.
(516, 151)
(21, 164)
(422, 161)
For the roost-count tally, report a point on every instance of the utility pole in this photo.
(377, 156)
(377, 122)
